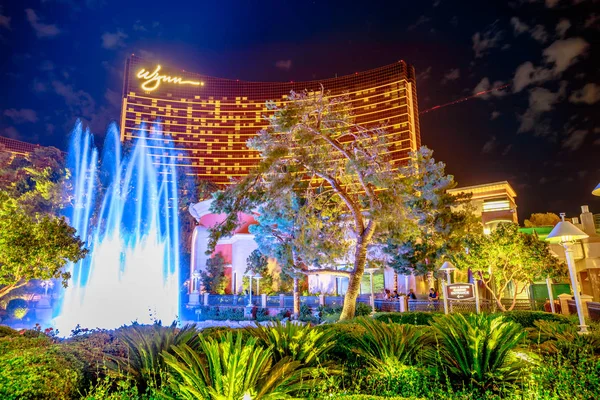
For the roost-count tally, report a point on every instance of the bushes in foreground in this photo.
(456, 357)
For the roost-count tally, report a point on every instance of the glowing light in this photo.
(131, 272)
(153, 79)
(496, 205)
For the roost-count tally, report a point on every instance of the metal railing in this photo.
(594, 310)
(462, 306)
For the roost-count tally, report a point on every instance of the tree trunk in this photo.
(360, 259)
(296, 299)
(9, 288)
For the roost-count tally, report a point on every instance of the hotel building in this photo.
(210, 119)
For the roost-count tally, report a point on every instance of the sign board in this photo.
(460, 291)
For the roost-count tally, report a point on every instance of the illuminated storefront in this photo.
(210, 119)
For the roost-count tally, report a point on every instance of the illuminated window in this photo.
(496, 205)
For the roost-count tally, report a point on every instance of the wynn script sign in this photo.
(460, 291)
(152, 80)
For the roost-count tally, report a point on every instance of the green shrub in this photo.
(412, 318)
(481, 350)
(574, 377)
(369, 397)
(7, 331)
(389, 347)
(145, 343)
(553, 337)
(346, 335)
(230, 368)
(37, 369)
(294, 341)
(211, 313)
(527, 318)
(362, 310)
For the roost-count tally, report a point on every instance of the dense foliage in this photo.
(472, 357)
(35, 243)
(508, 259)
(213, 276)
(316, 160)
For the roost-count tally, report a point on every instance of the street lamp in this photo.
(372, 299)
(565, 234)
(257, 276)
(250, 275)
(448, 267)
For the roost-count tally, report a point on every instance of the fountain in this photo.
(125, 209)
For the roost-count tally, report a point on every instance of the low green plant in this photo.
(230, 368)
(363, 310)
(36, 368)
(389, 347)
(527, 319)
(481, 351)
(552, 337)
(144, 362)
(7, 331)
(412, 318)
(294, 341)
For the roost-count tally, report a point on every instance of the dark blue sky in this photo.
(64, 59)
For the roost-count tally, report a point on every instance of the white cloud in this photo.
(539, 34)
(41, 30)
(489, 39)
(541, 101)
(526, 74)
(4, 20)
(575, 139)
(21, 116)
(111, 41)
(552, 3)
(562, 27)
(591, 21)
(420, 21)
(489, 146)
(424, 75)
(12, 132)
(518, 26)
(285, 65)
(451, 75)
(47, 65)
(146, 55)
(114, 98)
(137, 26)
(81, 103)
(588, 94)
(563, 53)
(485, 85)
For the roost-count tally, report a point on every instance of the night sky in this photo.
(64, 59)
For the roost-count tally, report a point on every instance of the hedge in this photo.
(527, 318)
(411, 318)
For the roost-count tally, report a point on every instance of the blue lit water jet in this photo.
(125, 209)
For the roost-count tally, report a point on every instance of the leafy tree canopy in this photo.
(542, 219)
(508, 257)
(436, 221)
(334, 173)
(34, 242)
(213, 277)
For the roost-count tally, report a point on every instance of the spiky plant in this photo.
(297, 342)
(481, 350)
(553, 337)
(145, 343)
(388, 347)
(227, 368)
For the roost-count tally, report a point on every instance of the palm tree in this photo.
(226, 368)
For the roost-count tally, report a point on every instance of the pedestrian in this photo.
(412, 295)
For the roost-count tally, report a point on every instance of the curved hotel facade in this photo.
(210, 119)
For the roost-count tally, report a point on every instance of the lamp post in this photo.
(448, 267)
(250, 275)
(372, 298)
(565, 234)
(258, 276)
